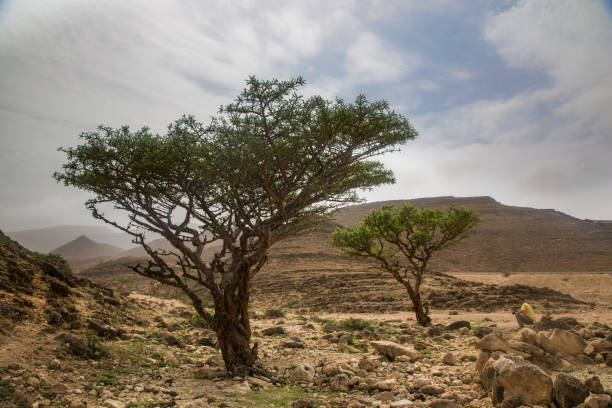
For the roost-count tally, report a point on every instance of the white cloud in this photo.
(368, 59)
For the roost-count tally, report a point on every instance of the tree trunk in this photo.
(234, 342)
(419, 311)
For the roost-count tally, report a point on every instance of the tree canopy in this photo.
(269, 164)
(402, 242)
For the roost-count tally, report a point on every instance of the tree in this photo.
(402, 242)
(270, 164)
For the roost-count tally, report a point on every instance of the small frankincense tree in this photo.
(270, 164)
(402, 242)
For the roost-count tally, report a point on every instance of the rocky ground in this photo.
(163, 356)
(69, 342)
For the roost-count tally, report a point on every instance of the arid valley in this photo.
(333, 331)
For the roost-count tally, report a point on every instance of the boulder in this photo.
(597, 401)
(566, 342)
(458, 324)
(76, 345)
(449, 359)
(569, 391)
(304, 372)
(492, 342)
(598, 346)
(431, 389)
(273, 331)
(593, 384)
(392, 350)
(525, 348)
(542, 341)
(481, 331)
(339, 383)
(528, 336)
(510, 377)
(385, 385)
(369, 364)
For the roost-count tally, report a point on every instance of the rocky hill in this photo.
(514, 239)
(83, 248)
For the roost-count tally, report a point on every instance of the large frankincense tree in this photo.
(270, 164)
(402, 242)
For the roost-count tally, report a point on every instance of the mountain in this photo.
(84, 248)
(513, 238)
(45, 239)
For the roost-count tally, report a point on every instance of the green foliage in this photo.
(273, 397)
(355, 323)
(409, 232)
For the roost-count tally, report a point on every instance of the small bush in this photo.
(355, 324)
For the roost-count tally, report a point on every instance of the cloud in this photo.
(540, 146)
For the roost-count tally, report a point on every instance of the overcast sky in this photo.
(511, 99)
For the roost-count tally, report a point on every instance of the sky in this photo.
(511, 99)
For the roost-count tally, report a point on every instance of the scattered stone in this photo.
(566, 342)
(369, 364)
(21, 398)
(492, 342)
(205, 373)
(593, 384)
(274, 314)
(103, 330)
(597, 401)
(259, 382)
(339, 383)
(569, 391)
(443, 403)
(481, 331)
(273, 331)
(292, 344)
(392, 350)
(431, 389)
(598, 346)
(76, 345)
(171, 340)
(385, 385)
(433, 331)
(508, 376)
(402, 403)
(111, 403)
(304, 372)
(449, 359)
(458, 324)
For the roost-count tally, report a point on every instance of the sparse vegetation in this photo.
(402, 242)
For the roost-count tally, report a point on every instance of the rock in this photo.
(542, 341)
(402, 403)
(111, 403)
(431, 389)
(458, 324)
(443, 403)
(21, 398)
(525, 348)
(58, 389)
(242, 387)
(385, 385)
(597, 401)
(274, 314)
(205, 373)
(508, 376)
(76, 403)
(492, 342)
(305, 402)
(59, 288)
(566, 342)
(481, 331)
(273, 331)
(339, 383)
(196, 403)
(292, 344)
(171, 340)
(593, 384)
(569, 391)
(433, 331)
(33, 381)
(369, 364)
(392, 350)
(54, 318)
(418, 383)
(464, 331)
(449, 359)
(55, 364)
(259, 382)
(597, 346)
(351, 404)
(330, 369)
(103, 330)
(304, 372)
(528, 336)
(76, 345)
